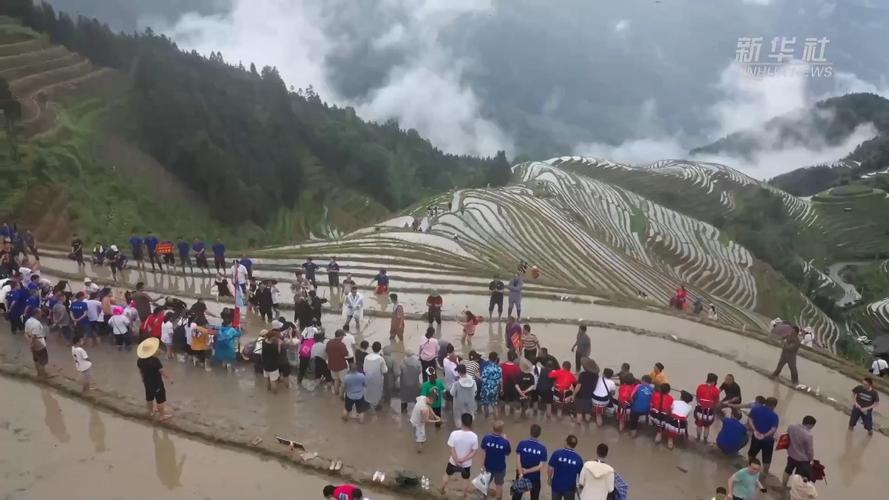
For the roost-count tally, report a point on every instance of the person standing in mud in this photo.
(396, 326)
(463, 445)
(707, 396)
(583, 346)
(30, 244)
(434, 304)
(789, 350)
(35, 336)
(153, 376)
(138, 255)
(866, 399)
(316, 304)
(496, 287)
(151, 243)
(763, 424)
(310, 268)
(333, 275)
(515, 287)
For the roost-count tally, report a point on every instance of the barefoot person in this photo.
(707, 396)
(396, 326)
(496, 449)
(353, 308)
(463, 445)
(421, 414)
(153, 376)
(82, 363)
(354, 390)
(532, 455)
(35, 336)
(866, 399)
(496, 288)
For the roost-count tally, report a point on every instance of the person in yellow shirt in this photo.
(657, 375)
(200, 341)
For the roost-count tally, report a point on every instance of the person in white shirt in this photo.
(89, 287)
(603, 394)
(880, 367)
(596, 478)
(167, 334)
(120, 328)
(349, 341)
(808, 337)
(82, 363)
(94, 315)
(35, 335)
(353, 308)
(677, 424)
(463, 444)
(421, 414)
(449, 364)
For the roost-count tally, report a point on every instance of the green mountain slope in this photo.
(253, 152)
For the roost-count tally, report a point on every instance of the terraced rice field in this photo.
(879, 311)
(38, 71)
(584, 234)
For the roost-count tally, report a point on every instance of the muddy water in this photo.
(239, 404)
(56, 447)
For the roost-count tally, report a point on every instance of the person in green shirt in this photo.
(742, 485)
(433, 382)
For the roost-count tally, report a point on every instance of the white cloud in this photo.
(425, 90)
(757, 2)
(621, 25)
(746, 103)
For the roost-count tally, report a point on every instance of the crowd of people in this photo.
(433, 384)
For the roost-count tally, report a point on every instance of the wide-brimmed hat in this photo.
(148, 347)
(87, 280)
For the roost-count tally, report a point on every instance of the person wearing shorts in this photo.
(764, 422)
(354, 390)
(422, 413)
(153, 375)
(496, 449)
(271, 349)
(463, 445)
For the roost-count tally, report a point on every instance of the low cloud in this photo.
(746, 103)
(421, 86)
(621, 25)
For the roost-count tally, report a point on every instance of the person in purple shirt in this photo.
(219, 255)
(184, 254)
(137, 244)
(564, 466)
(200, 255)
(151, 243)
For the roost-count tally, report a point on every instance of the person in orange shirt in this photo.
(657, 375)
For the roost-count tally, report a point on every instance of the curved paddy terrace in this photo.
(239, 409)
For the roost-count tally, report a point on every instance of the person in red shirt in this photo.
(152, 325)
(511, 373)
(564, 380)
(342, 492)
(624, 399)
(707, 396)
(661, 406)
(434, 303)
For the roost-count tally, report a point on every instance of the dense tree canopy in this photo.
(244, 141)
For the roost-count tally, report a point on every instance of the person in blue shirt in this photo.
(82, 325)
(640, 403)
(17, 303)
(532, 458)
(184, 254)
(496, 449)
(200, 255)
(137, 244)
(219, 255)
(333, 274)
(732, 437)
(310, 267)
(32, 303)
(564, 468)
(763, 424)
(151, 243)
(382, 280)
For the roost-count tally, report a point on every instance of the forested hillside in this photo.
(243, 141)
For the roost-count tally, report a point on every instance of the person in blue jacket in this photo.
(226, 345)
(640, 403)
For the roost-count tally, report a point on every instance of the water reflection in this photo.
(97, 430)
(54, 419)
(168, 470)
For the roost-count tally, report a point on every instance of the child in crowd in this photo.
(661, 405)
(677, 424)
(82, 362)
(624, 399)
